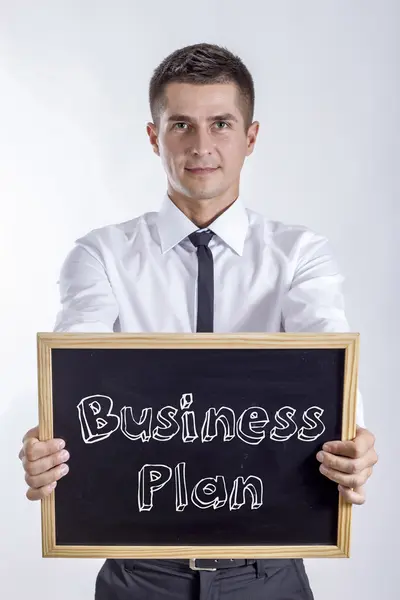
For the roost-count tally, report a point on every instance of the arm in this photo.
(87, 301)
(314, 301)
(87, 305)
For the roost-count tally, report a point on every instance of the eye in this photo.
(222, 123)
(176, 125)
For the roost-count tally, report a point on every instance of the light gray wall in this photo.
(74, 155)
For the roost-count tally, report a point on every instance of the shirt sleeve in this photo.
(87, 300)
(314, 301)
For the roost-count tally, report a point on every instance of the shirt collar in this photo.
(174, 226)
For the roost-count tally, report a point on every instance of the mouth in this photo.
(199, 171)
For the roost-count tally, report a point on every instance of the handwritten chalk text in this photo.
(98, 422)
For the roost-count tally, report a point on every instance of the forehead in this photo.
(201, 100)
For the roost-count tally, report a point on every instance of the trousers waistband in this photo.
(208, 564)
(197, 564)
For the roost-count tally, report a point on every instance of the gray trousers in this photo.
(276, 579)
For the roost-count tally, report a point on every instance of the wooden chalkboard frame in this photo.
(349, 342)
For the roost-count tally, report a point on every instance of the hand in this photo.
(43, 462)
(350, 464)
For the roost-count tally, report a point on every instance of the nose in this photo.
(202, 144)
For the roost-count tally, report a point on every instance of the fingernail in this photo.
(320, 456)
(61, 445)
(326, 447)
(64, 469)
(64, 455)
(52, 485)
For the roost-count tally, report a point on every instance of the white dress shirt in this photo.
(141, 276)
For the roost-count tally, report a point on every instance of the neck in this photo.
(204, 211)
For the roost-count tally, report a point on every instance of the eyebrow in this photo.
(223, 117)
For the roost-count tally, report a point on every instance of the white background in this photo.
(74, 155)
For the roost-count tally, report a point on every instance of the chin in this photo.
(203, 194)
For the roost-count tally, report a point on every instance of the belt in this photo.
(212, 564)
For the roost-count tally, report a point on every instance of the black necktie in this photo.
(205, 280)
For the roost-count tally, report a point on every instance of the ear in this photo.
(153, 137)
(252, 137)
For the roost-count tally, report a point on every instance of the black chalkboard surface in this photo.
(197, 444)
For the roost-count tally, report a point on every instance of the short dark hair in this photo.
(202, 64)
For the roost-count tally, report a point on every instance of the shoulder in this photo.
(294, 240)
(114, 238)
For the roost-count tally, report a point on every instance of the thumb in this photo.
(32, 433)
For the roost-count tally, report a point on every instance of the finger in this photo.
(34, 449)
(41, 493)
(349, 481)
(42, 465)
(355, 448)
(47, 478)
(347, 465)
(356, 496)
(32, 433)
(366, 435)
(347, 449)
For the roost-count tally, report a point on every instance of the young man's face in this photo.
(202, 127)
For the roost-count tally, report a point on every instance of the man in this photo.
(203, 263)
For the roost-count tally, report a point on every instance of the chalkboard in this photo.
(196, 445)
